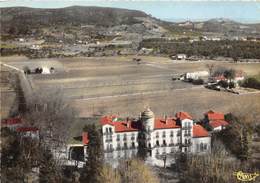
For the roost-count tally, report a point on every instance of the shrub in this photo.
(223, 83)
(198, 81)
(251, 83)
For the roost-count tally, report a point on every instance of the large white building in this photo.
(158, 136)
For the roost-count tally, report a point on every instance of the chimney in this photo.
(165, 118)
(128, 124)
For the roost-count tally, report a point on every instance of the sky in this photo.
(171, 10)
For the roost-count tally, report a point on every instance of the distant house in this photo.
(215, 120)
(17, 125)
(28, 132)
(179, 57)
(12, 123)
(239, 76)
(194, 75)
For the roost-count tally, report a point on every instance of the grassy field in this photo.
(118, 85)
(8, 95)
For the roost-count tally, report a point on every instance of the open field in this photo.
(8, 95)
(118, 85)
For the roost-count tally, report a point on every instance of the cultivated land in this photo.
(7, 93)
(118, 85)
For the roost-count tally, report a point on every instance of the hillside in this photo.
(224, 26)
(19, 19)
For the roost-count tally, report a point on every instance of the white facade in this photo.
(161, 137)
(200, 145)
(195, 75)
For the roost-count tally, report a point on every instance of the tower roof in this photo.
(147, 113)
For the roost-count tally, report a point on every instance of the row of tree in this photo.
(211, 49)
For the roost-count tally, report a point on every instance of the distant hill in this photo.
(28, 18)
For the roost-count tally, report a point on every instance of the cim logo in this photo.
(246, 177)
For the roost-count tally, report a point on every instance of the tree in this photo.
(231, 85)
(219, 166)
(230, 74)
(93, 168)
(109, 175)
(223, 84)
(47, 110)
(20, 154)
(236, 137)
(135, 171)
(210, 67)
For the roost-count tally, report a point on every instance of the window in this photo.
(205, 147)
(125, 145)
(124, 136)
(133, 145)
(178, 133)
(111, 147)
(149, 145)
(163, 134)
(197, 147)
(186, 141)
(157, 134)
(110, 130)
(172, 150)
(185, 133)
(133, 137)
(171, 134)
(164, 142)
(201, 146)
(157, 142)
(118, 137)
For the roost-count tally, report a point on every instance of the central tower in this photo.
(147, 118)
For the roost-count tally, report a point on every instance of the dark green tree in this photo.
(94, 163)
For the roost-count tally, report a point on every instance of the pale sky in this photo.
(243, 11)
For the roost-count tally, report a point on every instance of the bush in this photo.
(251, 83)
(231, 85)
(198, 81)
(223, 83)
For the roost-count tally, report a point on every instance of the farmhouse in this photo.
(194, 75)
(239, 76)
(159, 136)
(179, 57)
(215, 120)
(17, 124)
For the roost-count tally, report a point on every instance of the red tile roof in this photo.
(161, 124)
(199, 131)
(108, 120)
(123, 127)
(11, 121)
(220, 77)
(119, 124)
(214, 115)
(218, 123)
(183, 115)
(27, 129)
(85, 139)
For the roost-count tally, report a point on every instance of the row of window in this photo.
(201, 147)
(109, 147)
